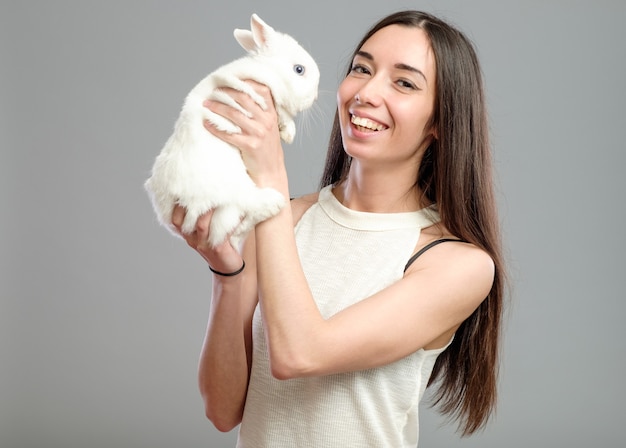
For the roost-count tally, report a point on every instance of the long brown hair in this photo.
(455, 173)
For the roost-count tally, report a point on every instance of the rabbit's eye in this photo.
(299, 69)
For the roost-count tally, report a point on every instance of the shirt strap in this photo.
(428, 246)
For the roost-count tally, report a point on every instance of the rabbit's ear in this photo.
(260, 30)
(245, 39)
(257, 38)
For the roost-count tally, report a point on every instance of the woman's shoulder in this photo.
(455, 262)
(301, 204)
(462, 254)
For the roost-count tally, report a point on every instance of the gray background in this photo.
(103, 312)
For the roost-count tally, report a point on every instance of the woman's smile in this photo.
(364, 124)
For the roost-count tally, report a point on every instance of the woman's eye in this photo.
(360, 69)
(406, 84)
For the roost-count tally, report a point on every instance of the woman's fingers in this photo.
(202, 229)
(256, 119)
(224, 256)
(198, 238)
(230, 113)
(248, 103)
(178, 216)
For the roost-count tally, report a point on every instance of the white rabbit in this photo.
(200, 172)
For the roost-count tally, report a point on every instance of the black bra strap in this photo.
(425, 248)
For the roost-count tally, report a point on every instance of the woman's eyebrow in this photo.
(411, 69)
(365, 55)
(400, 65)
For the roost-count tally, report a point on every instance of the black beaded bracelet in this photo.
(229, 274)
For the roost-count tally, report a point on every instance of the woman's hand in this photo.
(259, 140)
(223, 258)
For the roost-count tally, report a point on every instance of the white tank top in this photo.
(346, 256)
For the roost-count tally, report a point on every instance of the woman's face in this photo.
(386, 101)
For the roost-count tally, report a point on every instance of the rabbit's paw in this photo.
(189, 223)
(265, 203)
(225, 219)
(287, 131)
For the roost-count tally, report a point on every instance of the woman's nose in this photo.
(369, 93)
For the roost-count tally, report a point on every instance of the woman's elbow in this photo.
(284, 367)
(222, 413)
(282, 372)
(222, 422)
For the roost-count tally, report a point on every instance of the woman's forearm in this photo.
(224, 361)
(290, 314)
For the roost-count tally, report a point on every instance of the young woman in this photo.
(328, 335)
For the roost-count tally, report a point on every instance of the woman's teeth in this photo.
(367, 123)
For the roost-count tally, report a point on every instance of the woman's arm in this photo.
(224, 365)
(422, 310)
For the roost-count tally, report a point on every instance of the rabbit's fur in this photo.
(199, 171)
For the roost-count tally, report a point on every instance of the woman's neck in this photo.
(378, 193)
